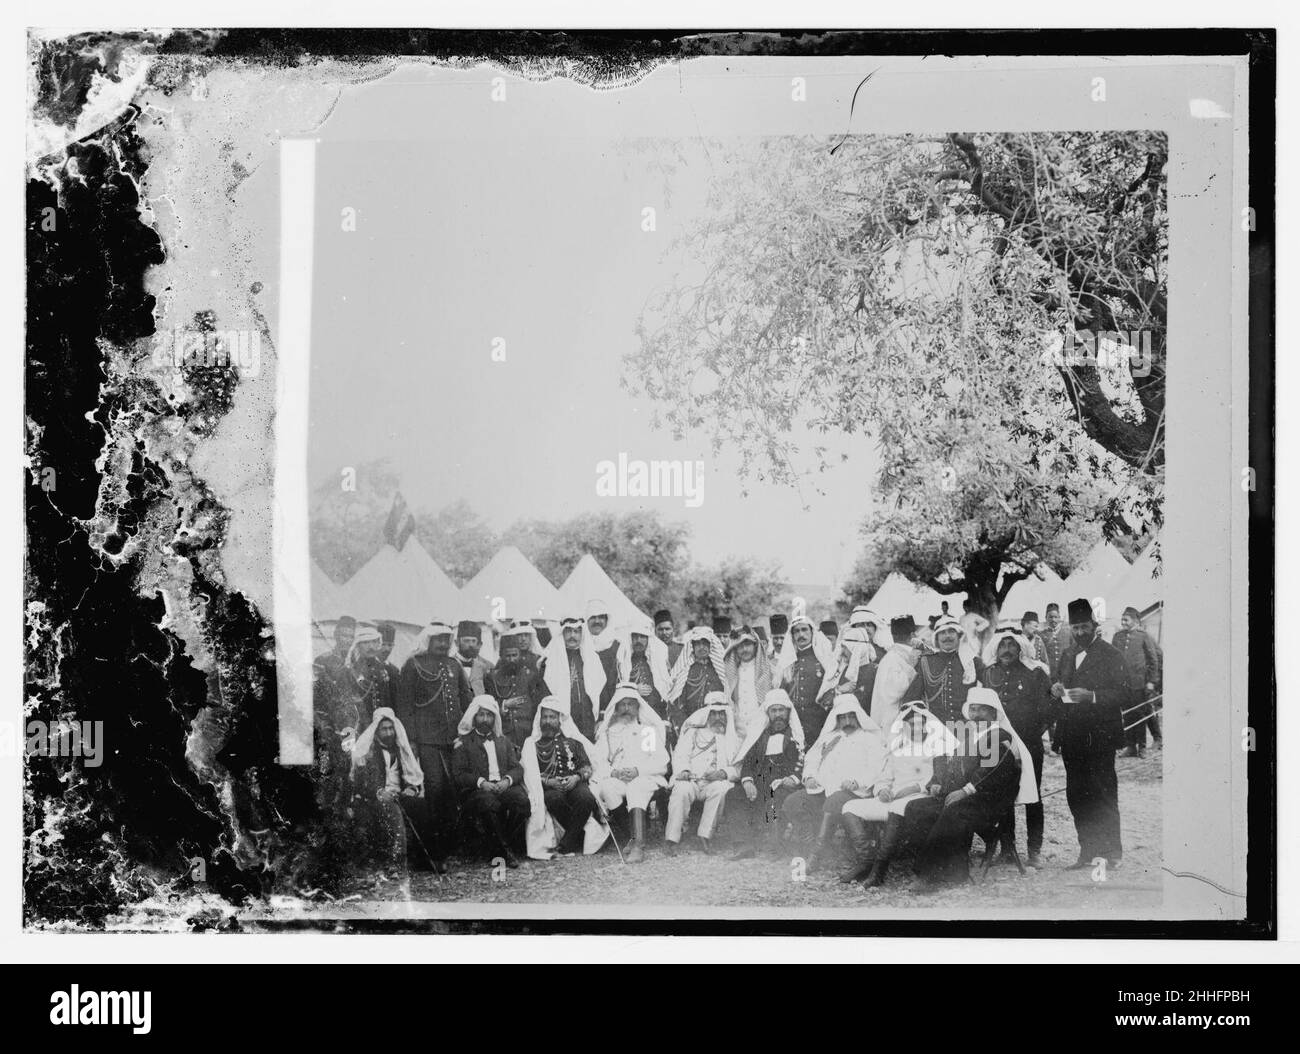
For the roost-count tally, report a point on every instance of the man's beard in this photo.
(509, 667)
(780, 726)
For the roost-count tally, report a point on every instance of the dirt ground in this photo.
(696, 880)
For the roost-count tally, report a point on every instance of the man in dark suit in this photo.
(489, 776)
(1091, 692)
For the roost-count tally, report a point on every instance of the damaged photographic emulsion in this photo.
(654, 483)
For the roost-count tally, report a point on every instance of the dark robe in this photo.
(945, 853)
(1088, 734)
(1026, 696)
(674, 650)
(640, 675)
(609, 663)
(764, 769)
(701, 679)
(938, 683)
(802, 682)
(381, 826)
(518, 691)
(581, 706)
(433, 694)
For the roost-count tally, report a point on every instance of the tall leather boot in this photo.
(823, 843)
(861, 854)
(637, 852)
(885, 852)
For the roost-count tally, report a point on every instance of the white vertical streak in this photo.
(290, 557)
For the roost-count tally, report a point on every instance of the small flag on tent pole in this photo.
(400, 524)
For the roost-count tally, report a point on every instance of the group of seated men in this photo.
(567, 743)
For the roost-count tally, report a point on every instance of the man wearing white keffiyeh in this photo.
(771, 767)
(630, 759)
(699, 671)
(844, 763)
(703, 770)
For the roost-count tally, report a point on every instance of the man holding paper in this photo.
(1092, 693)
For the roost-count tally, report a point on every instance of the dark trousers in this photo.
(438, 826)
(1033, 813)
(1092, 791)
(385, 831)
(1142, 716)
(806, 810)
(945, 854)
(762, 811)
(572, 809)
(812, 718)
(498, 814)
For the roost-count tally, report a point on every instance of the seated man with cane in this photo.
(387, 784)
(557, 770)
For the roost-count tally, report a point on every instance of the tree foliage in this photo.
(927, 291)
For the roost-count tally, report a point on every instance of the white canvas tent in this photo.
(326, 596)
(1099, 579)
(1034, 594)
(1140, 588)
(897, 597)
(404, 587)
(588, 581)
(510, 587)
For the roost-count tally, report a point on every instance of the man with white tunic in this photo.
(703, 770)
(630, 758)
(897, 669)
(843, 764)
(916, 739)
(749, 679)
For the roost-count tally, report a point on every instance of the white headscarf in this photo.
(607, 635)
(715, 702)
(862, 617)
(557, 665)
(540, 835)
(821, 647)
(844, 704)
(361, 748)
(656, 653)
(938, 741)
(480, 702)
(523, 628)
(1028, 793)
(965, 652)
(776, 697)
(683, 665)
(433, 629)
(363, 633)
(1008, 630)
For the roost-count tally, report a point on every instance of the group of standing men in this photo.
(893, 732)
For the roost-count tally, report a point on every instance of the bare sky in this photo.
(520, 220)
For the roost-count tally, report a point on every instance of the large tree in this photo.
(740, 587)
(923, 290)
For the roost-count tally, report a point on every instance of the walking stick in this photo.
(433, 864)
(612, 836)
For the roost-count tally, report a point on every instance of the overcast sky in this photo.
(520, 220)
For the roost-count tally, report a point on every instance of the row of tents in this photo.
(407, 587)
(1104, 577)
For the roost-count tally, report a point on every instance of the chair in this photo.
(992, 836)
